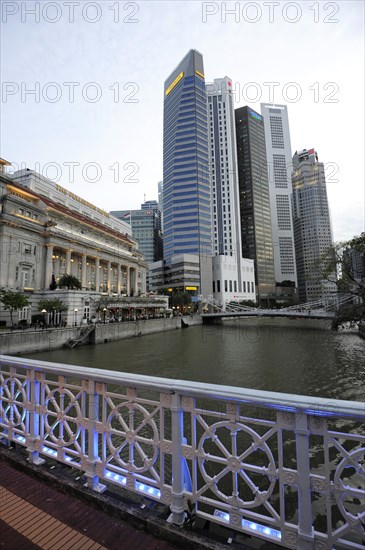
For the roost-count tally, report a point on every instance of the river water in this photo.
(291, 356)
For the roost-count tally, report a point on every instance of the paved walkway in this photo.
(34, 515)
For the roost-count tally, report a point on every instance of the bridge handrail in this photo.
(105, 424)
(296, 403)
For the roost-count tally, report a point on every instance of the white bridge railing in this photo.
(284, 468)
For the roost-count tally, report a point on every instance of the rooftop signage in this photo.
(80, 200)
(255, 115)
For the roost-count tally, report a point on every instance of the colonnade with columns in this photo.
(95, 272)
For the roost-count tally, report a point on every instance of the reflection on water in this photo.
(290, 356)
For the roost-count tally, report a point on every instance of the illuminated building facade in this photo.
(46, 231)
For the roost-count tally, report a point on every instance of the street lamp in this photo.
(44, 311)
(75, 314)
(104, 311)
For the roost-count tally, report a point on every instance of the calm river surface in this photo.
(291, 356)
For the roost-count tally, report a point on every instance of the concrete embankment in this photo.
(119, 331)
(29, 341)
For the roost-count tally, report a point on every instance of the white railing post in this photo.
(92, 439)
(33, 441)
(177, 505)
(305, 525)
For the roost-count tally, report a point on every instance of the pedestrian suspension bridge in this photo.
(320, 309)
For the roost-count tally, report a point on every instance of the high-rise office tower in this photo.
(187, 194)
(146, 228)
(312, 225)
(254, 195)
(279, 162)
(230, 270)
(160, 200)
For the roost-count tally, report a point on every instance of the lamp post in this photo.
(104, 311)
(44, 311)
(75, 314)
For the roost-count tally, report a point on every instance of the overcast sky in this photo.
(98, 69)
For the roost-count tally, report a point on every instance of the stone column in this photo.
(128, 280)
(119, 278)
(133, 283)
(68, 262)
(108, 273)
(83, 272)
(48, 267)
(97, 274)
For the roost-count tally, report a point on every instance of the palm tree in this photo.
(70, 281)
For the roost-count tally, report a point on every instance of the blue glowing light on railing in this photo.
(116, 477)
(251, 525)
(49, 451)
(20, 438)
(142, 487)
(148, 490)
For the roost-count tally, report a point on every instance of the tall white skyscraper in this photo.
(233, 277)
(280, 164)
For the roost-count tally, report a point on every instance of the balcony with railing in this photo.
(287, 469)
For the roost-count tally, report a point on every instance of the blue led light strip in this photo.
(251, 525)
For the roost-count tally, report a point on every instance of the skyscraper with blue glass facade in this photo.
(187, 190)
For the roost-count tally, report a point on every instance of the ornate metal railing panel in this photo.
(284, 468)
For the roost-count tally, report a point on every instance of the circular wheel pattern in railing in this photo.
(235, 463)
(12, 401)
(349, 482)
(63, 418)
(132, 437)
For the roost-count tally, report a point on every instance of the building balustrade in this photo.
(284, 468)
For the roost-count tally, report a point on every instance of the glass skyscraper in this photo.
(257, 241)
(187, 192)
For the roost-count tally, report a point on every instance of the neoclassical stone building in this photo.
(46, 230)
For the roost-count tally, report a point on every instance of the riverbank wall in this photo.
(31, 341)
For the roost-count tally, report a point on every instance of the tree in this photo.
(13, 301)
(52, 304)
(338, 268)
(70, 281)
(53, 284)
(180, 300)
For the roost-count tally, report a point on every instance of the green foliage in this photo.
(13, 301)
(53, 284)
(180, 300)
(69, 281)
(337, 268)
(52, 304)
(348, 314)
